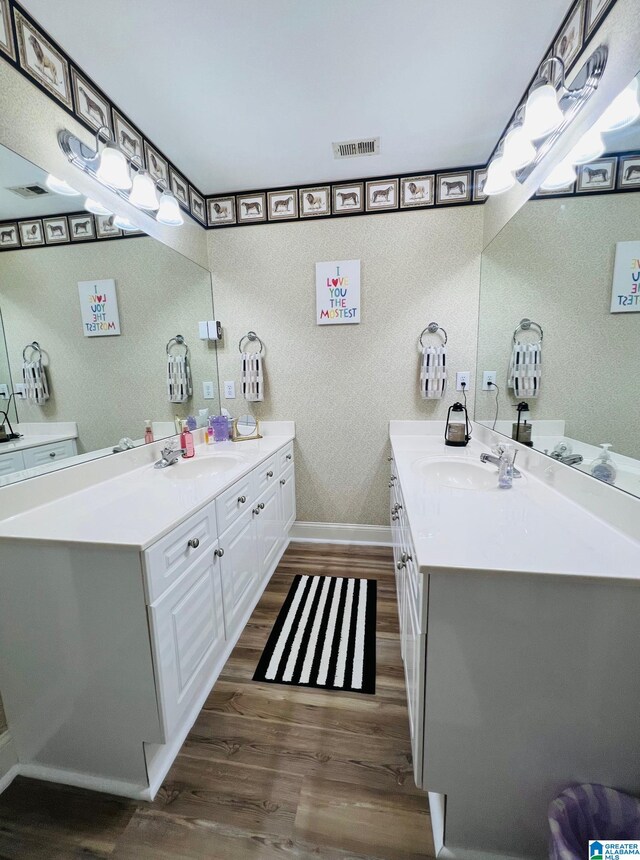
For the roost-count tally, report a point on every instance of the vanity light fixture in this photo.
(499, 177)
(562, 175)
(92, 205)
(588, 148)
(518, 151)
(59, 186)
(109, 165)
(542, 113)
(623, 110)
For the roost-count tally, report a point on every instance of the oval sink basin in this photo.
(458, 473)
(201, 467)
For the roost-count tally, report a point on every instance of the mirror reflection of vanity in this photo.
(101, 389)
(552, 266)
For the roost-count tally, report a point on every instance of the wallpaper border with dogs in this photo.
(26, 46)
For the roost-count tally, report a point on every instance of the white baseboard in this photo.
(8, 761)
(341, 533)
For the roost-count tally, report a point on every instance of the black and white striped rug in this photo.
(324, 636)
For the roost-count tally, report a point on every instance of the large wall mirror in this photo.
(569, 262)
(100, 388)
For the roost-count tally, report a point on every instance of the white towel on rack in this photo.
(36, 387)
(525, 369)
(251, 377)
(433, 372)
(179, 387)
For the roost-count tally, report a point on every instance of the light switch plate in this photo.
(230, 390)
(463, 376)
(487, 377)
(208, 391)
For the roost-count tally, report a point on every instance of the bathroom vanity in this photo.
(41, 444)
(519, 634)
(124, 590)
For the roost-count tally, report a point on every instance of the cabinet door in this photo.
(187, 631)
(48, 453)
(270, 532)
(10, 463)
(288, 499)
(239, 568)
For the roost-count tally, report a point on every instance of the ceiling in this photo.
(16, 171)
(250, 94)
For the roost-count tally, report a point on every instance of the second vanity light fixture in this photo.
(537, 124)
(109, 166)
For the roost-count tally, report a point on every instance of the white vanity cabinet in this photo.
(36, 455)
(128, 642)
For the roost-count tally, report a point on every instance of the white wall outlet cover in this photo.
(230, 390)
(203, 330)
(208, 391)
(19, 390)
(488, 376)
(4, 391)
(463, 376)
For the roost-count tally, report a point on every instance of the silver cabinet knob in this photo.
(256, 511)
(218, 552)
(269, 474)
(261, 506)
(194, 543)
(404, 557)
(242, 500)
(394, 517)
(283, 481)
(52, 453)
(389, 459)
(400, 565)
(289, 456)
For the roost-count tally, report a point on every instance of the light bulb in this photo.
(499, 177)
(92, 205)
(518, 150)
(169, 212)
(561, 177)
(588, 148)
(623, 110)
(59, 186)
(124, 224)
(114, 169)
(542, 113)
(143, 193)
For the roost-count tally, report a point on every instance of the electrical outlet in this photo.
(4, 391)
(230, 390)
(20, 390)
(487, 377)
(208, 391)
(463, 376)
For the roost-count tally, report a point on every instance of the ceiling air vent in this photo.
(29, 191)
(355, 148)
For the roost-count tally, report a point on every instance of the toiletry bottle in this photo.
(186, 442)
(148, 432)
(192, 423)
(220, 428)
(603, 468)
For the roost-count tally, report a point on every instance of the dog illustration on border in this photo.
(44, 64)
(348, 198)
(381, 195)
(632, 173)
(252, 206)
(596, 174)
(129, 143)
(93, 108)
(81, 228)
(455, 188)
(55, 230)
(7, 236)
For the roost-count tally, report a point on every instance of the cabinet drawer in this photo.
(48, 453)
(285, 457)
(170, 557)
(10, 463)
(267, 474)
(235, 501)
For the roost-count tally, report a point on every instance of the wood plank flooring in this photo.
(267, 771)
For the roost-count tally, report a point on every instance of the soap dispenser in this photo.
(603, 468)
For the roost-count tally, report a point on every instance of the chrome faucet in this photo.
(567, 459)
(125, 444)
(168, 456)
(495, 460)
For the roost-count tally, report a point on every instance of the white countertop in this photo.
(33, 441)
(530, 528)
(136, 508)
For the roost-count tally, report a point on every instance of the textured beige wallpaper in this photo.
(342, 384)
(553, 263)
(110, 385)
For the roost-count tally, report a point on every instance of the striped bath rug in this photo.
(324, 636)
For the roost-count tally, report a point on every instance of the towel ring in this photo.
(178, 340)
(526, 325)
(250, 336)
(34, 346)
(432, 328)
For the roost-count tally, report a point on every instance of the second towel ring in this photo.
(178, 340)
(35, 346)
(432, 328)
(526, 325)
(250, 336)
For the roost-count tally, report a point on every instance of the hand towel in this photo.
(251, 377)
(525, 370)
(179, 387)
(36, 387)
(433, 372)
